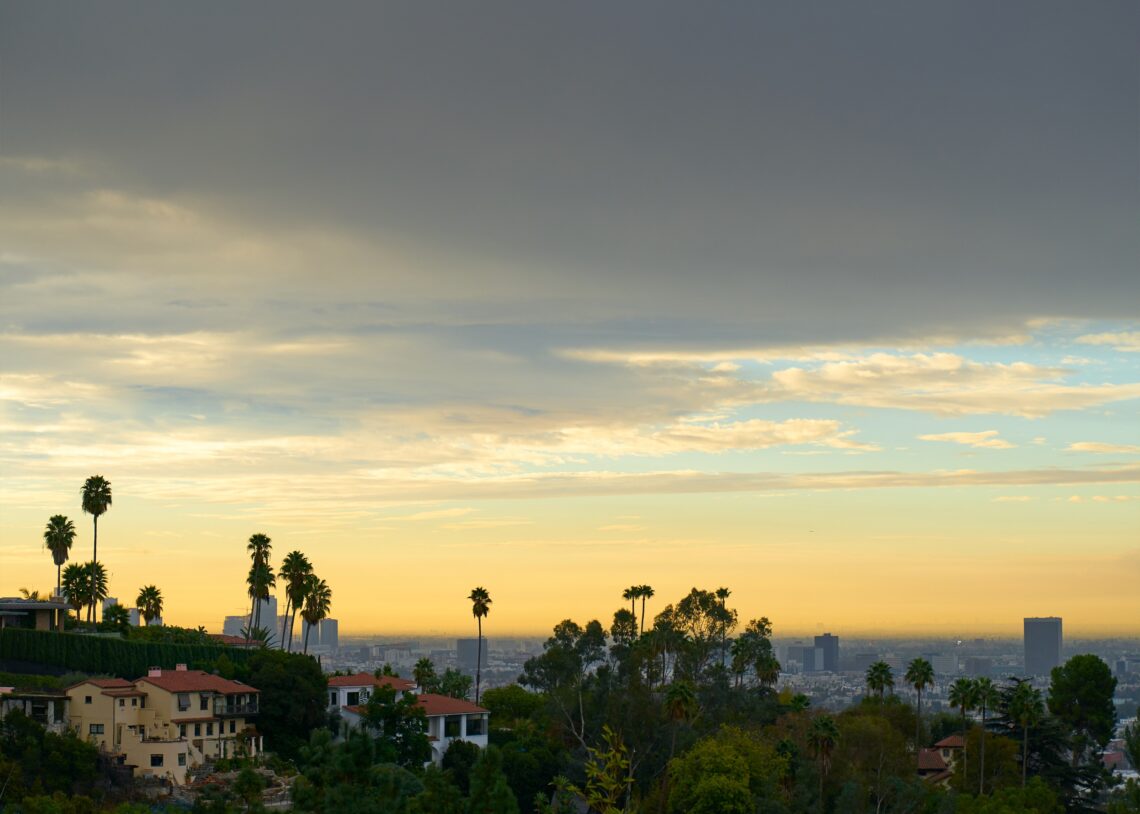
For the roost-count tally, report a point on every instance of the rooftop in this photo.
(194, 681)
(369, 680)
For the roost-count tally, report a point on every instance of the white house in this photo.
(448, 719)
(353, 690)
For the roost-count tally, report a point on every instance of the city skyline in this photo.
(837, 311)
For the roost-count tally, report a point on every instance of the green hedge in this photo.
(109, 656)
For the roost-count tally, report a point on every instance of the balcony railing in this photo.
(223, 709)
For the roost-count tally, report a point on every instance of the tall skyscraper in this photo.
(466, 654)
(1042, 644)
(330, 633)
(830, 646)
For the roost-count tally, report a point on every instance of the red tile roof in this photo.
(369, 680)
(445, 705)
(930, 761)
(951, 742)
(234, 641)
(195, 681)
(105, 683)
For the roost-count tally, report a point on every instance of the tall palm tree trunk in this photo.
(982, 765)
(1024, 756)
(918, 722)
(305, 643)
(285, 621)
(643, 613)
(95, 548)
(965, 749)
(58, 620)
(478, 658)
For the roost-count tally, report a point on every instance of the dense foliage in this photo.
(680, 714)
(108, 655)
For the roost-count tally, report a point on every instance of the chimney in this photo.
(180, 668)
(154, 672)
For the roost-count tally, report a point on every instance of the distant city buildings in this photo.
(830, 646)
(1043, 643)
(979, 666)
(466, 652)
(944, 665)
(330, 633)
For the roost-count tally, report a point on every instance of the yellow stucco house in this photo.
(167, 721)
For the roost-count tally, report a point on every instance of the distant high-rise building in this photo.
(314, 633)
(979, 666)
(865, 660)
(232, 626)
(466, 654)
(330, 633)
(830, 646)
(267, 616)
(944, 665)
(1042, 644)
(808, 657)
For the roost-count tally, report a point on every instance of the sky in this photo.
(832, 304)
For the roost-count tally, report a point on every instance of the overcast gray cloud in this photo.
(650, 171)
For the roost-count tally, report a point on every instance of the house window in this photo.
(353, 698)
(183, 701)
(453, 726)
(181, 758)
(122, 702)
(475, 725)
(134, 702)
(209, 729)
(332, 699)
(204, 702)
(233, 727)
(95, 729)
(156, 761)
(197, 730)
(182, 730)
(87, 699)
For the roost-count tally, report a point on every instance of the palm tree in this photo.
(631, 594)
(645, 592)
(94, 587)
(260, 575)
(822, 738)
(117, 617)
(987, 698)
(261, 578)
(919, 674)
(318, 601)
(964, 695)
(73, 587)
(767, 670)
(723, 594)
(424, 674)
(96, 494)
(96, 500)
(879, 678)
(149, 603)
(1026, 708)
(680, 705)
(480, 607)
(295, 568)
(58, 537)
